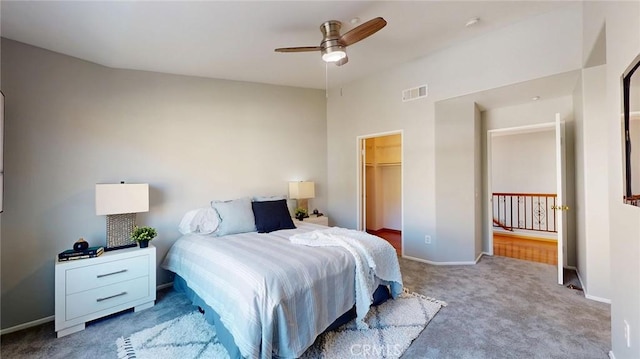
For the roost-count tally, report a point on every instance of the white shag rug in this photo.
(393, 325)
(188, 336)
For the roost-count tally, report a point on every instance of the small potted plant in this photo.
(143, 235)
(301, 213)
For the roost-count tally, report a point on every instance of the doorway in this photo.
(527, 208)
(380, 186)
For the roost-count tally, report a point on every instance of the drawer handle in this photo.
(112, 273)
(110, 297)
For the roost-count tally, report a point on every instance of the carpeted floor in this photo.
(499, 308)
(392, 326)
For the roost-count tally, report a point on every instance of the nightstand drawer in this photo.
(99, 275)
(102, 298)
(322, 220)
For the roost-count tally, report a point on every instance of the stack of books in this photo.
(70, 254)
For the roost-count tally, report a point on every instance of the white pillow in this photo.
(199, 221)
(236, 216)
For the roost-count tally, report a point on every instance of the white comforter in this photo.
(272, 295)
(375, 259)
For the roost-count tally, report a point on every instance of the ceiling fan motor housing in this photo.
(332, 47)
(331, 29)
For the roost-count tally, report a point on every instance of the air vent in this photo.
(414, 93)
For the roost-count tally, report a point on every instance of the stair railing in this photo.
(527, 211)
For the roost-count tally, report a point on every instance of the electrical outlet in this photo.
(427, 239)
(627, 334)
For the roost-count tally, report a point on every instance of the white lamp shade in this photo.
(301, 190)
(122, 198)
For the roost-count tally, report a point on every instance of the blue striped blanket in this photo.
(273, 296)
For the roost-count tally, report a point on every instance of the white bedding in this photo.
(375, 259)
(272, 295)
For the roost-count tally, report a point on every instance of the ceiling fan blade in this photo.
(363, 31)
(343, 61)
(298, 49)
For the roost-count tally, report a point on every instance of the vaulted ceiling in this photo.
(235, 39)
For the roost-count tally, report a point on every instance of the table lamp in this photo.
(120, 203)
(302, 191)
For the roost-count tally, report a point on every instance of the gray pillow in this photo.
(236, 216)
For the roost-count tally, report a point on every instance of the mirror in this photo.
(631, 134)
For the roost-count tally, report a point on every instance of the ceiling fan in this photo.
(333, 46)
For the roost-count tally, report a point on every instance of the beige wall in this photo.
(622, 21)
(373, 105)
(593, 244)
(457, 187)
(524, 162)
(634, 134)
(391, 177)
(72, 124)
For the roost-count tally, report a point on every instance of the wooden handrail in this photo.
(500, 224)
(525, 194)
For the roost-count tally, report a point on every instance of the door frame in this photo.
(361, 184)
(558, 128)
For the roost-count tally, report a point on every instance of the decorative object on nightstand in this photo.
(301, 214)
(71, 254)
(120, 203)
(81, 250)
(80, 245)
(92, 288)
(302, 191)
(143, 235)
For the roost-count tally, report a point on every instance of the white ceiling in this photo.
(544, 88)
(235, 39)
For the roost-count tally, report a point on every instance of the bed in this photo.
(267, 296)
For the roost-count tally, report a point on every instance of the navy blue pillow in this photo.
(272, 215)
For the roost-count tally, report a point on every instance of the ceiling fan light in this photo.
(334, 54)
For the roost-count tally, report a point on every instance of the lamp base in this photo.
(119, 230)
(304, 204)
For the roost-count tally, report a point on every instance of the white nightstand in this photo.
(323, 220)
(87, 289)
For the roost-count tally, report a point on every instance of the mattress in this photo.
(274, 297)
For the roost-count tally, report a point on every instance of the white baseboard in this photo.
(597, 299)
(51, 318)
(579, 277)
(584, 289)
(443, 263)
(611, 356)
